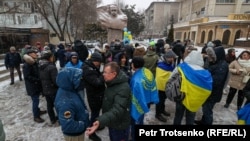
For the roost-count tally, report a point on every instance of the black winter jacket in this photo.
(94, 84)
(48, 73)
(219, 71)
(31, 76)
(12, 60)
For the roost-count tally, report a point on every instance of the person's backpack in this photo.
(173, 86)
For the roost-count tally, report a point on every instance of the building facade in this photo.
(20, 24)
(158, 17)
(206, 20)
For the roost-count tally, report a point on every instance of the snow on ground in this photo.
(15, 109)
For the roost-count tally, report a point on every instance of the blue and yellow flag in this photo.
(244, 115)
(144, 91)
(163, 72)
(196, 85)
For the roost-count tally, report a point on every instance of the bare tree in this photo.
(82, 14)
(65, 16)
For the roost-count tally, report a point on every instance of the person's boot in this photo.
(94, 137)
(43, 112)
(226, 105)
(38, 120)
(198, 122)
(12, 79)
(166, 113)
(161, 118)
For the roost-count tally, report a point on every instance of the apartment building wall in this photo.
(157, 18)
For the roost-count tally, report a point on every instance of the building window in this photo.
(19, 20)
(1, 3)
(35, 18)
(225, 1)
(25, 5)
(247, 1)
(14, 18)
(202, 11)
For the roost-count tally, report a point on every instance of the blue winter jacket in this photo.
(72, 113)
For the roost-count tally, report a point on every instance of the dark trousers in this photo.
(95, 105)
(12, 73)
(35, 104)
(207, 110)
(231, 94)
(133, 123)
(180, 109)
(94, 114)
(118, 135)
(160, 107)
(50, 107)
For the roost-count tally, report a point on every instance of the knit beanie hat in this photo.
(32, 50)
(96, 57)
(46, 54)
(170, 54)
(152, 43)
(210, 44)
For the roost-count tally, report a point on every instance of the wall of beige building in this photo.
(212, 23)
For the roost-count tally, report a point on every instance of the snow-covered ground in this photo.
(15, 107)
(16, 114)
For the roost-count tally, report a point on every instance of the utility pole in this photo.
(248, 30)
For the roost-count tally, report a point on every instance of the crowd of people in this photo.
(132, 79)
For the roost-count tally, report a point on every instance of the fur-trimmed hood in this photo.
(211, 54)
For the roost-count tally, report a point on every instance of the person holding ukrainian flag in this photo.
(196, 85)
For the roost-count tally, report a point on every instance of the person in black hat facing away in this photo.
(217, 43)
(48, 73)
(95, 86)
(81, 49)
(33, 82)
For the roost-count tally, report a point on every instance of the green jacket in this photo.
(2, 133)
(116, 104)
(150, 61)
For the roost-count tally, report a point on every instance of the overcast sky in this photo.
(140, 4)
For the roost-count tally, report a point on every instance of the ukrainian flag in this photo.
(244, 115)
(163, 72)
(144, 91)
(196, 85)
